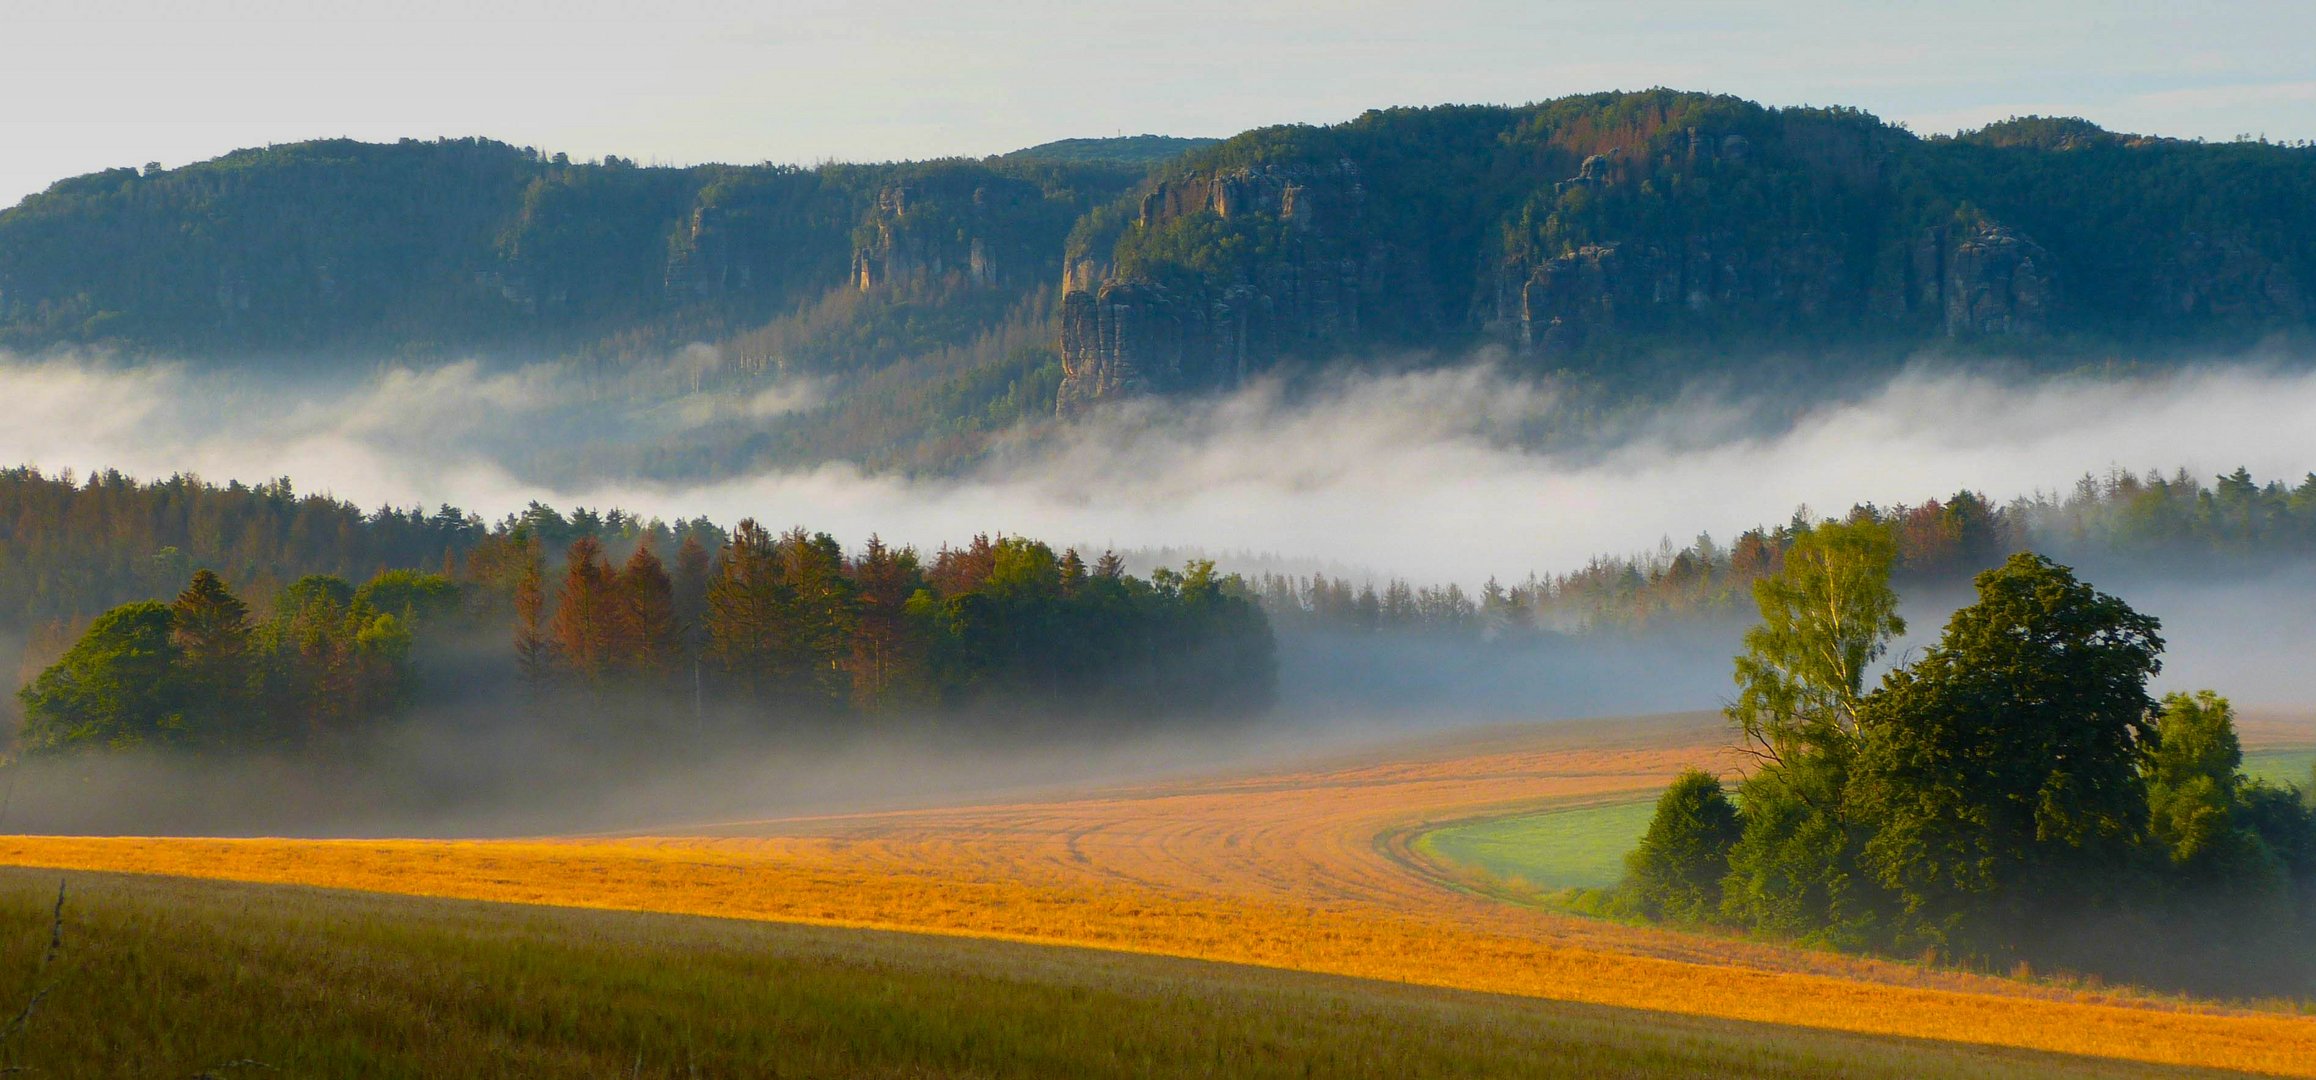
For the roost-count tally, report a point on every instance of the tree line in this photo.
(2012, 795)
(787, 626)
(206, 671)
(793, 619)
(2134, 521)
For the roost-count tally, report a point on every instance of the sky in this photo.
(92, 84)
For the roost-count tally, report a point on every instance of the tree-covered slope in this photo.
(433, 248)
(1632, 235)
(1620, 231)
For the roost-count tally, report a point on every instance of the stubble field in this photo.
(1313, 868)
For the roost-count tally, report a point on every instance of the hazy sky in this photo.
(89, 84)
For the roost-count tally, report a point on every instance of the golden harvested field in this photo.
(1306, 868)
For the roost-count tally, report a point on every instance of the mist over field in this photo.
(1447, 474)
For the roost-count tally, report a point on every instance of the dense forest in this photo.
(2010, 795)
(1630, 239)
(791, 628)
(1646, 236)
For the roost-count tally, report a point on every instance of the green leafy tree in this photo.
(2000, 773)
(2193, 779)
(1826, 614)
(118, 686)
(412, 595)
(1676, 871)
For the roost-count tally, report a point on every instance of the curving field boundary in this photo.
(1282, 869)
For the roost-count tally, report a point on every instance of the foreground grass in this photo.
(837, 886)
(169, 977)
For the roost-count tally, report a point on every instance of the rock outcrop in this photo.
(913, 240)
(1313, 286)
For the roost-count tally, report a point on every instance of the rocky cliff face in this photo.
(1980, 281)
(907, 244)
(1311, 284)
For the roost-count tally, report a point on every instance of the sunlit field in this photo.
(170, 977)
(1315, 868)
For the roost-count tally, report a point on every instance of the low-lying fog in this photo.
(1450, 474)
(1430, 475)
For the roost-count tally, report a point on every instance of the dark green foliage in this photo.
(199, 673)
(431, 249)
(1999, 774)
(2013, 793)
(1676, 871)
(1698, 224)
(1794, 869)
(69, 549)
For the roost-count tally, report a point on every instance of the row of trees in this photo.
(203, 671)
(794, 621)
(2012, 793)
(2122, 519)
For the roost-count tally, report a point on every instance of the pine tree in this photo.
(586, 623)
(533, 659)
(212, 632)
(744, 609)
(887, 650)
(650, 640)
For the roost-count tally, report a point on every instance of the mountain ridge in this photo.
(1629, 238)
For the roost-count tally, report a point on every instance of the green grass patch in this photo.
(166, 977)
(1575, 848)
(2281, 766)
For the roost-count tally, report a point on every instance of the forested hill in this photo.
(1634, 233)
(427, 248)
(1625, 234)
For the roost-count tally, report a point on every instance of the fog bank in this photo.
(1449, 474)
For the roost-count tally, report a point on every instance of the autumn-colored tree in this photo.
(587, 614)
(650, 641)
(962, 570)
(533, 657)
(694, 568)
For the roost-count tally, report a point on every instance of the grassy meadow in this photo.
(168, 977)
(1579, 847)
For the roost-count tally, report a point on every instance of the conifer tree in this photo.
(650, 642)
(533, 658)
(587, 613)
(212, 632)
